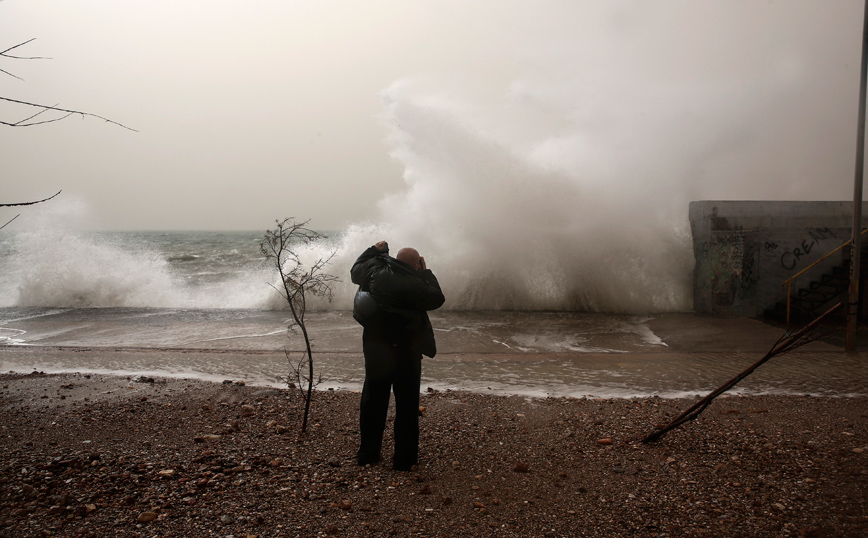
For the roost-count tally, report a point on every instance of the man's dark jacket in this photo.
(403, 295)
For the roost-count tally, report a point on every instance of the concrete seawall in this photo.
(745, 250)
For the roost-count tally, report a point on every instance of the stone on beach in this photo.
(793, 468)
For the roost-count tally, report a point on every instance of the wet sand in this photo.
(690, 354)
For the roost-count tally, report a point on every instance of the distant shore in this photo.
(113, 456)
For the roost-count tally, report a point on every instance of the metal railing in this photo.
(789, 282)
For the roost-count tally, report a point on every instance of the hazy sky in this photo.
(251, 111)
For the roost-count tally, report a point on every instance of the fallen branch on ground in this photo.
(784, 344)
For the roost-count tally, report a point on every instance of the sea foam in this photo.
(502, 231)
(57, 267)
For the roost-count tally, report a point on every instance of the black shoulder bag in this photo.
(364, 307)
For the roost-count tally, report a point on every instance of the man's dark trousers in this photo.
(389, 366)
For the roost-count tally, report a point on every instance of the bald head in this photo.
(410, 256)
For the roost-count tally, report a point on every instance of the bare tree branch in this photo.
(785, 344)
(3, 53)
(10, 221)
(31, 203)
(47, 108)
(26, 122)
(10, 74)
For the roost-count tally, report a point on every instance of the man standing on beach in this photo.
(394, 340)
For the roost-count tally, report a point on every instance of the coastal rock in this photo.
(145, 517)
(233, 427)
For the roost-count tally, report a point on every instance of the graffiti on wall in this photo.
(792, 258)
(748, 271)
(728, 264)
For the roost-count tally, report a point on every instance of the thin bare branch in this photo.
(19, 124)
(3, 53)
(785, 344)
(9, 221)
(56, 109)
(10, 74)
(32, 203)
(27, 120)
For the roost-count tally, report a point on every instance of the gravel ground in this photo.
(109, 456)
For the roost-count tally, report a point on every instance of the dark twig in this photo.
(69, 112)
(10, 74)
(32, 203)
(784, 344)
(27, 122)
(3, 53)
(9, 221)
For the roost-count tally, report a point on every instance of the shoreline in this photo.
(106, 455)
(610, 393)
(695, 361)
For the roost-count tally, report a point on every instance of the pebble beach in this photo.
(89, 455)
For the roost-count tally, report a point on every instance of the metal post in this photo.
(856, 245)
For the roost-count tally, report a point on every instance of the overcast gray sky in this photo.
(251, 111)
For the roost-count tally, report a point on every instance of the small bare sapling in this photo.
(299, 282)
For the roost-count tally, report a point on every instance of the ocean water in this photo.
(62, 268)
(201, 304)
(215, 290)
